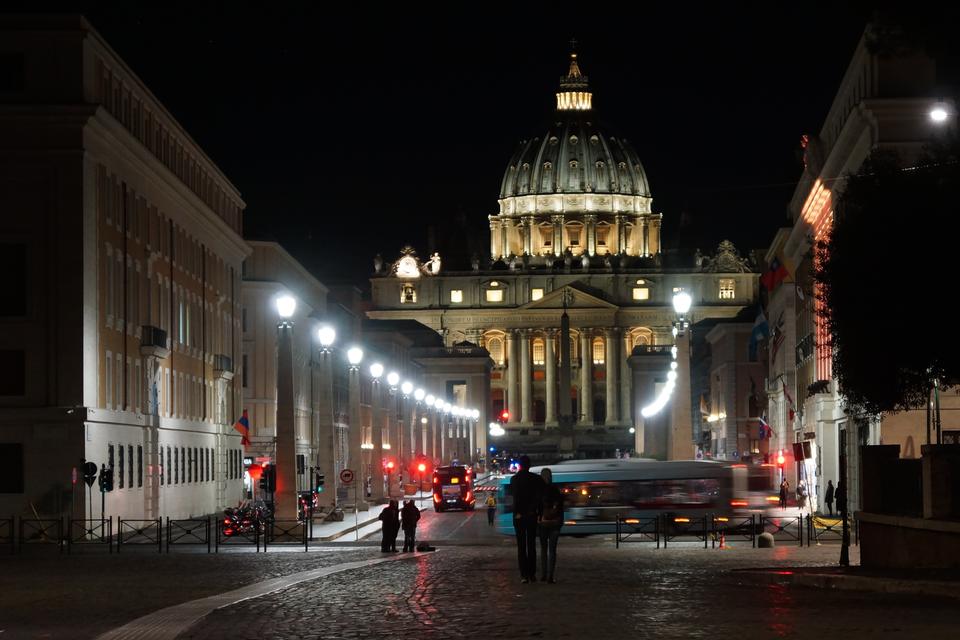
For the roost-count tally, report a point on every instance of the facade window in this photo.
(408, 294)
(602, 234)
(536, 294)
(244, 374)
(163, 470)
(546, 237)
(641, 293)
(139, 465)
(130, 472)
(573, 234)
(538, 351)
(456, 295)
(196, 464)
(494, 295)
(727, 289)
(110, 456)
(108, 370)
(598, 352)
(495, 347)
(120, 467)
(190, 463)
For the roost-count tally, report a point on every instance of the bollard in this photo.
(765, 540)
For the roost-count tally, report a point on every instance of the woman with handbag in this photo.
(549, 522)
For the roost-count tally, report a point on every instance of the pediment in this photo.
(576, 299)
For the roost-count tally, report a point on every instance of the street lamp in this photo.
(376, 370)
(285, 491)
(326, 335)
(354, 356)
(376, 433)
(286, 306)
(681, 427)
(393, 379)
(939, 113)
(421, 468)
(406, 388)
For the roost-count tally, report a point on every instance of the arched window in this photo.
(495, 347)
(598, 352)
(538, 351)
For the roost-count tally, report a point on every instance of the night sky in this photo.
(351, 132)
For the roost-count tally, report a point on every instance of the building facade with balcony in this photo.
(121, 334)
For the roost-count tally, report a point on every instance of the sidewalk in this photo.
(920, 582)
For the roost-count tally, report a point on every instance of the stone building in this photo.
(120, 329)
(575, 229)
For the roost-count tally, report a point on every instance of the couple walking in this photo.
(392, 518)
(537, 512)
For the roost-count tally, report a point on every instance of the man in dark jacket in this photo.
(391, 523)
(409, 516)
(527, 490)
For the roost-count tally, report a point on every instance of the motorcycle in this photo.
(245, 519)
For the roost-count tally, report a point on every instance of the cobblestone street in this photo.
(602, 592)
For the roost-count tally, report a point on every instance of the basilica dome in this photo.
(576, 188)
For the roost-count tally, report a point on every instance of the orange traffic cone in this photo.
(723, 540)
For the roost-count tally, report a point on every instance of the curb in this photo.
(859, 583)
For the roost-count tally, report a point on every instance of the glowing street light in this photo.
(406, 388)
(286, 306)
(939, 114)
(376, 370)
(326, 335)
(393, 379)
(419, 394)
(354, 356)
(430, 400)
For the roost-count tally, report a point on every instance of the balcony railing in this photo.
(652, 349)
(151, 336)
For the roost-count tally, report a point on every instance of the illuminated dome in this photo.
(575, 174)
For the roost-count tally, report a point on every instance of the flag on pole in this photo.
(243, 426)
(704, 410)
(789, 399)
(761, 330)
(765, 430)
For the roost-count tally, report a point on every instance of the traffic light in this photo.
(504, 416)
(320, 482)
(106, 478)
(268, 479)
(421, 467)
(390, 466)
(780, 458)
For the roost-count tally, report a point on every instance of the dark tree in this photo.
(889, 279)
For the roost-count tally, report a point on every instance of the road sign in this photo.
(346, 476)
(89, 473)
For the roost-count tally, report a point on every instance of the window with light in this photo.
(408, 294)
(494, 295)
(536, 294)
(602, 234)
(456, 295)
(598, 352)
(641, 293)
(495, 347)
(538, 351)
(727, 289)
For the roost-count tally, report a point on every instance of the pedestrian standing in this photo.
(828, 497)
(526, 489)
(409, 516)
(491, 509)
(550, 520)
(784, 487)
(801, 494)
(390, 517)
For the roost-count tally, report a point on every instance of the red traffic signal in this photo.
(780, 458)
(421, 467)
(390, 465)
(504, 416)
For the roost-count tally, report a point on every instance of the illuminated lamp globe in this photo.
(286, 306)
(446, 407)
(939, 114)
(419, 394)
(355, 355)
(376, 370)
(393, 378)
(671, 375)
(633, 429)
(682, 302)
(475, 414)
(673, 365)
(438, 403)
(326, 335)
(406, 388)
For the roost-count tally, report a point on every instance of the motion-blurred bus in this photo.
(453, 488)
(597, 491)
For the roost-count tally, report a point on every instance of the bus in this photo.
(596, 492)
(453, 488)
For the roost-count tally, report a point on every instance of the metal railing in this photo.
(251, 537)
(7, 537)
(734, 528)
(285, 532)
(783, 528)
(679, 526)
(90, 532)
(34, 531)
(188, 532)
(139, 532)
(638, 530)
(822, 529)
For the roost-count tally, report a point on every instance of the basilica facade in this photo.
(575, 229)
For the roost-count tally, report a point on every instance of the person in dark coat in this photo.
(526, 489)
(390, 517)
(828, 497)
(409, 516)
(784, 487)
(549, 522)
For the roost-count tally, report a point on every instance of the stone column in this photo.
(326, 452)
(377, 492)
(494, 239)
(644, 242)
(586, 376)
(557, 234)
(655, 235)
(621, 237)
(527, 222)
(680, 435)
(526, 384)
(513, 370)
(626, 383)
(612, 364)
(285, 497)
(355, 440)
(590, 222)
(551, 377)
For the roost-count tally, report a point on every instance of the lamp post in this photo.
(326, 456)
(406, 432)
(421, 468)
(432, 438)
(393, 380)
(355, 455)
(419, 446)
(680, 436)
(475, 420)
(285, 495)
(376, 434)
